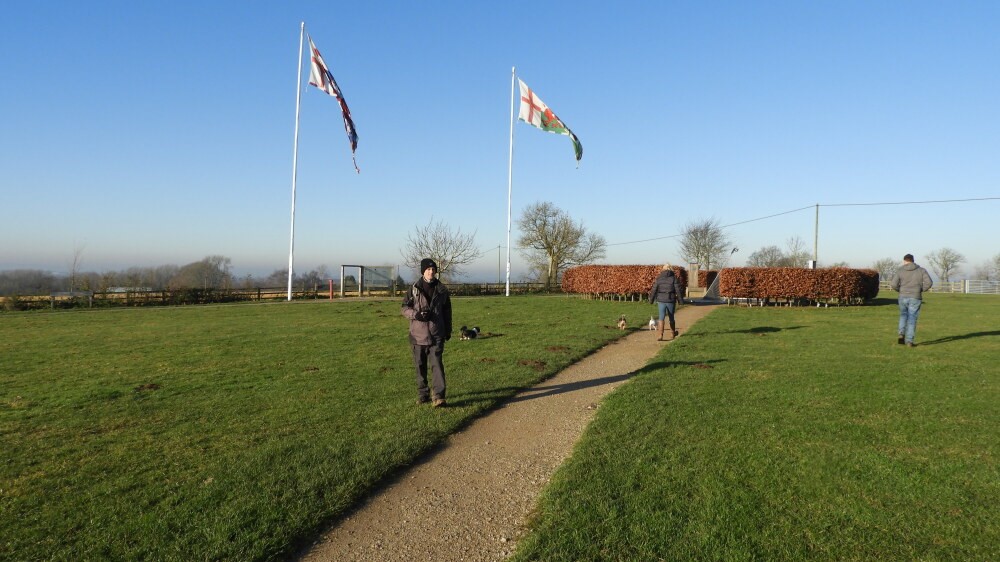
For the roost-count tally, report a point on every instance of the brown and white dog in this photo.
(622, 323)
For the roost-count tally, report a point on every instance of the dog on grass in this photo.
(652, 323)
(467, 334)
(622, 322)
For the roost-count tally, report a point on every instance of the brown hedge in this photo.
(706, 277)
(615, 279)
(839, 283)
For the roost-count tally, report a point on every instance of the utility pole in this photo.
(816, 239)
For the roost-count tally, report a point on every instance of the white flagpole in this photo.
(295, 163)
(510, 168)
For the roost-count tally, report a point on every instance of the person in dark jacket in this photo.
(911, 281)
(667, 293)
(428, 306)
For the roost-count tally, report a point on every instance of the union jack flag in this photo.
(320, 76)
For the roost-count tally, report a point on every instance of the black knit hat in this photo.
(425, 263)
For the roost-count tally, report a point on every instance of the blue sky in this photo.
(154, 133)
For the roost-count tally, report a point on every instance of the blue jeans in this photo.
(909, 309)
(666, 309)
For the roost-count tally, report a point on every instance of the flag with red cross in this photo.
(534, 112)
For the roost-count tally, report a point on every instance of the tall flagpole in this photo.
(295, 163)
(510, 168)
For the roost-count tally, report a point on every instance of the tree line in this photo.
(212, 272)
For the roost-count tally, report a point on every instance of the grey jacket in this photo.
(911, 281)
(436, 301)
(666, 288)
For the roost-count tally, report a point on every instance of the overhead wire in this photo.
(813, 207)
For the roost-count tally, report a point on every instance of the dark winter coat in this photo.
(666, 288)
(433, 298)
(911, 281)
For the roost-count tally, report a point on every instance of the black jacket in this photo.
(666, 288)
(437, 302)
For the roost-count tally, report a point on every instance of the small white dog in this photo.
(652, 323)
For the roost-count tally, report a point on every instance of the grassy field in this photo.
(238, 432)
(794, 434)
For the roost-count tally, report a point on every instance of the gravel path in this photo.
(469, 500)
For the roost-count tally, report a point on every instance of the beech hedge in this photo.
(619, 280)
(706, 277)
(842, 284)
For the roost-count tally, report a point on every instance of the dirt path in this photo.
(469, 501)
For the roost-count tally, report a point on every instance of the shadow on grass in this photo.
(948, 339)
(754, 330)
(543, 390)
(659, 365)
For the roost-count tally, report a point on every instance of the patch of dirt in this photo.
(557, 348)
(533, 363)
(145, 387)
(471, 499)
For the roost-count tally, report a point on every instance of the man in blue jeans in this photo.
(910, 281)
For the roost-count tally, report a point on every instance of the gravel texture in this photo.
(470, 500)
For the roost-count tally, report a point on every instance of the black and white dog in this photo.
(469, 334)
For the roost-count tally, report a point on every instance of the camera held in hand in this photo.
(423, 315)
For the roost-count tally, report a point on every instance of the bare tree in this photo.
(210, 272)
(74, 266)
(945, 262)
(768, 256)
(886, 268)
(450, 249)
(988, 270)
(551, 241)
(983, 271)
(704, 242)
(796, 256)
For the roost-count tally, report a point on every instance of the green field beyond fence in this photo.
(794, 434)
(239, 432)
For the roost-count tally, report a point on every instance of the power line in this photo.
(909, 202)
(813, 207)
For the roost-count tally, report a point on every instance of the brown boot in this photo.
(673, 331)
(661, 324)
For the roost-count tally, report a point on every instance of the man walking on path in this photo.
(910, 281)
(428, 306)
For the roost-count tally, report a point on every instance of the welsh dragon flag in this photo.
(535, 112)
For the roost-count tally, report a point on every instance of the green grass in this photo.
(794, 434)
(238, 432)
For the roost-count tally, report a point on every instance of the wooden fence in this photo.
(175, 297)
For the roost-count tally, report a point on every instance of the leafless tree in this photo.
(211, 272)
(74, 267)
(945, 263)
(988, 270)
(551, 241)
(796, 254)
(705, 242)
(886, 268)
(450, 249)
(768, 256)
